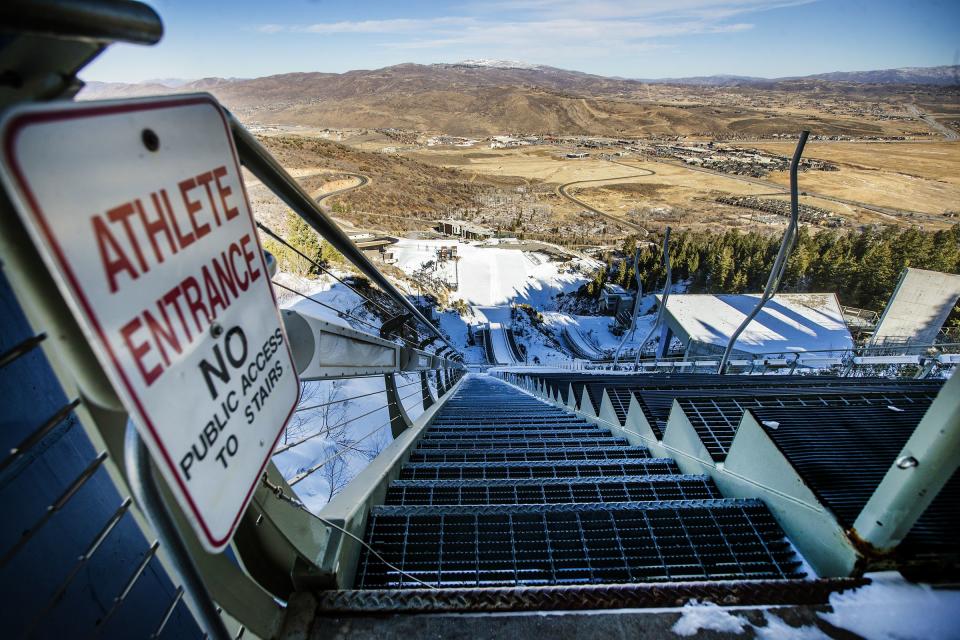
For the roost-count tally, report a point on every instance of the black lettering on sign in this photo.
(235, 345)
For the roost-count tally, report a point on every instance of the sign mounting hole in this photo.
(150, 139)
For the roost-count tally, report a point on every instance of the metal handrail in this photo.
(265, 167)
(98, 21)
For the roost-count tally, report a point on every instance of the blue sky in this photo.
(629, 38)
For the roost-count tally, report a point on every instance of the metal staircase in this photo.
(472, 510)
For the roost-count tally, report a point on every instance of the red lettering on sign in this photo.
(122, 215)
(195, 302)
(114, 260)
(249, 256)
(156, 226)
(184, 240)
(225, 191)
(193, 207)
(139, 350)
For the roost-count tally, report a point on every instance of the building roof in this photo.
(788, 322)
(615, 289)
(466, 226)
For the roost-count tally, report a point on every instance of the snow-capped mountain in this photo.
(498, 64)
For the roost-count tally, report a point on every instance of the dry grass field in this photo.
(921, 177)
(910, 183)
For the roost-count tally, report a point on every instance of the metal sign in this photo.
(139, 211)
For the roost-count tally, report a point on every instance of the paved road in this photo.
(363, 181)
(562, 191)
(934, 124)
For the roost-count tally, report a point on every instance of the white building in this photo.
(788, 323)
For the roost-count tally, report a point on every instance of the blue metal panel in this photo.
(48, 590)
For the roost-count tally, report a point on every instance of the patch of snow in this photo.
(777, 629)
(595, 331)
(890, 608)
(452, 324)
(349, 434)
(707, 616)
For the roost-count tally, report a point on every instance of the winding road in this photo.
(364, 181)
(562, 191)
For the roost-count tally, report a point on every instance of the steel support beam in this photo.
(924, 466)
(323, 350)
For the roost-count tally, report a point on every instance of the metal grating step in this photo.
(543, 434)
(716, 419)
(513, 423)
(540, 470)
(842, 454)
(530, 455)
(484, 430)
(519, 546)
(581, 597)
(539, 491)
(429, 443)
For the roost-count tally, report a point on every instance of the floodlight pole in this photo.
(780, 264)
(636, 308)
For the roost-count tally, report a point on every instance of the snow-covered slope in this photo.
(492, 275)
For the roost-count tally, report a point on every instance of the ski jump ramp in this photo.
(501, 348)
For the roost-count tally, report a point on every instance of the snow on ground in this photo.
(595, 331)
(339, 438)
(491, 275)
(455, 326)
(707, 616)
(890, 608)
(328, 300)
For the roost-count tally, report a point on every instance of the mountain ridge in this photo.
(936, 75)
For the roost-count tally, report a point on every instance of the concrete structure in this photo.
(370, 241)
(789, 323)
(463, 229)
(614, 299)
(918, 308)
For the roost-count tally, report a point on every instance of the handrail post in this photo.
(439, 381)
(399, 419)
(425, 390)
(780, 264)
(145, 489)
(926, 463)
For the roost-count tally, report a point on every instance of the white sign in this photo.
(139, 210)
